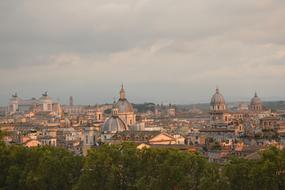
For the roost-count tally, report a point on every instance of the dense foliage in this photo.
(125, 167)
(38, 168)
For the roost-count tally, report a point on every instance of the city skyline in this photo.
(66, 100)
(177, 54)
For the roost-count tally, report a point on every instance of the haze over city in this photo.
(142, 94)
(177, 54)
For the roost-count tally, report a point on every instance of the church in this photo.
(125, 109)
(123, 117)
(218, 109)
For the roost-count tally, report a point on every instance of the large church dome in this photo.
(114, 123)
(255, 103)
(217, 99)
(255, 100)
(123, 105)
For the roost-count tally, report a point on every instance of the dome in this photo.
(217, 98)
(255, 100)
(123, 105)
(114, 124)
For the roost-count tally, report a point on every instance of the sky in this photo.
(163, 51)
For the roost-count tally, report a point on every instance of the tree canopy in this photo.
(126, 167)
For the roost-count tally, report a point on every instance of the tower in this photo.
(70, 100)
(99, 114)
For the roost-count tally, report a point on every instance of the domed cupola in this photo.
(123, 104)
(114, 123)
(218, 102)
(255, 100)
(255, 103)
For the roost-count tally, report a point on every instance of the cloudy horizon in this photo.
(163, 50)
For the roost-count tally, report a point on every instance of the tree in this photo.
(238, 173)
(110, 167)
(213, 178)
(270, 170)
(38, 168)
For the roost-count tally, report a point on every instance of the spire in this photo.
(70, 100)
(122, 93)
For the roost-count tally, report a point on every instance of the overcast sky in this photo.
(174, 51)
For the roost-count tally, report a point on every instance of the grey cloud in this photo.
(94, 45)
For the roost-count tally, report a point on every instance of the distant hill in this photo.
(274, 105)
